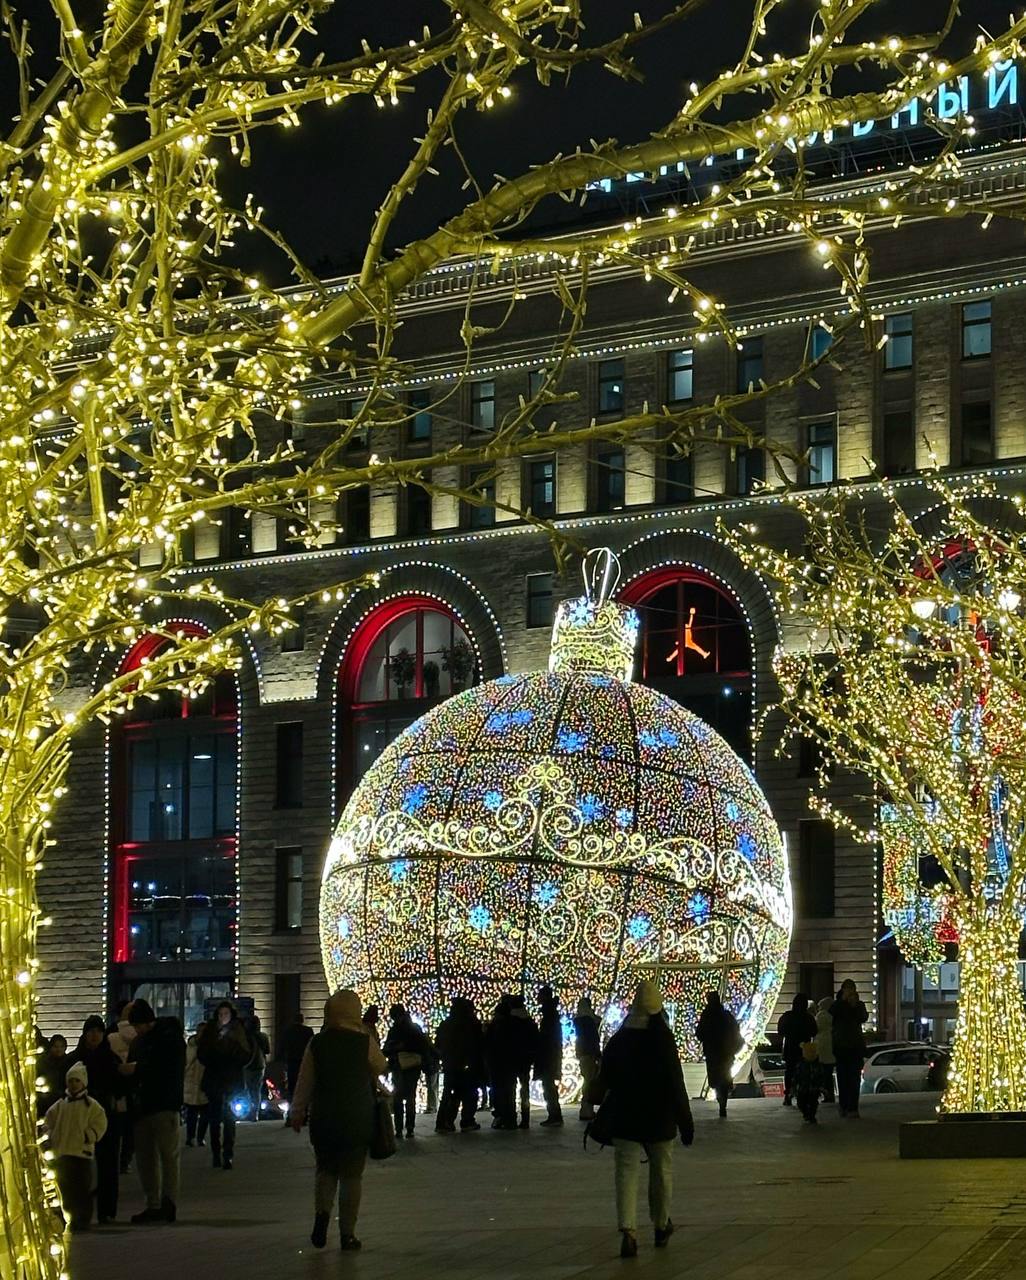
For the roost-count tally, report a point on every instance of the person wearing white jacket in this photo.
(825, 1047)
(75, 1123)
(197, 1104)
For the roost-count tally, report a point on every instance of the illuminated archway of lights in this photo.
(569, 827)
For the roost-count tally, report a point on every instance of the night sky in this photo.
(321, 183)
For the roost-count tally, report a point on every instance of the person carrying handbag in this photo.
(337, 1090)
(409, 1051)
(644, 1108)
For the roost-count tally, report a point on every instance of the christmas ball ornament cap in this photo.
(592, 634)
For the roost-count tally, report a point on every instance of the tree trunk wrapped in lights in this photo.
(149, 389)
(915, 678)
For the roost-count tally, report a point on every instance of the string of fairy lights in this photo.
(127, 245)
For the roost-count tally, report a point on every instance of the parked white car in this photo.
(901, 1068)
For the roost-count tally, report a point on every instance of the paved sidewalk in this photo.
(759, 1196)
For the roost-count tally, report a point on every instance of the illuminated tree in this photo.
(914, 676)
(148, 387)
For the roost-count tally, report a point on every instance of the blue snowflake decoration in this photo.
(746, 846)
(492, 799)
(624, 818)
(546, 893)
(639, 927)
(571, 739)
(699, 907)
(591, 808)
(399, 870)
(415, 798)
(479, 917)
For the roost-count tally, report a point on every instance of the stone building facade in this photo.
(138, 894)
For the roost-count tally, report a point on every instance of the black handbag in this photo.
(382, 1143)
(600, 1129)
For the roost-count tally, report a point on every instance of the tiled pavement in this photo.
(759, 1196)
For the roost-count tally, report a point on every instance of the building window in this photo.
(611, 387)
(810, 757)
(535, 382)
(288, 890)
(977, 438)
(610, 480)
(354, 515)
(539, 599)
(975, 330)
(288, 773)
(821, 342)
(817, 981)
(821, 444)
(480, 515)
(749, 469)
(899, 442)
(418, 426)
(815, 869)
(695, 648)
(293, 640)
(678, 478)
(418, 510)
(749, 364)
(898, 347)
(680, 374)
(408, 653)
(359, 433)
(541, 486)
(482, 405)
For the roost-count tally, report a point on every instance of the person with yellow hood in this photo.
(336, 1088)
(644, 1108)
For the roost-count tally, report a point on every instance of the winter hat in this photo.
(584, 1009)
(93, 1023)
(78, 1072)
(343, 1010)
(647, 999)
(825, 1003)
(142, 1011)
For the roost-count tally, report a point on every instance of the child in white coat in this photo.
(75, 1124)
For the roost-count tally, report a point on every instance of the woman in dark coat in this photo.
(460, 1045)
(408, 1051)
(548, 1060)
(336, 1088)
(225, 1050)
(849, 1016)
(644, 1108)
(106, 1085)
(720, 1039)
(795, 1028)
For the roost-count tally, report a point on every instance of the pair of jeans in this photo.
(196, 1120)
(849, 1081)
(404, 1098)
(222, 1125)
(589, 1074)
(459, 1095)
(342, 1172)
(157, 1155)
(627, 1163)
(75, 1183)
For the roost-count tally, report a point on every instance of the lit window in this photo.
(680, 371)
(418, 427)
(541, 486)
(610, 480)
(611, 386)
(898, 347)
(975, 330)
(821, 443)
(482, 405)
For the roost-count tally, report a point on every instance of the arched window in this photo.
(406, 656)
(173, 828)
(696, 648)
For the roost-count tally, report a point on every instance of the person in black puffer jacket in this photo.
(849, 1016)
(106, 1086)
(548, 1060)
(460, 1045)
(644, 1107)
(408, 1051)
(156, 1066)
(795, 1028)
(225, 1051)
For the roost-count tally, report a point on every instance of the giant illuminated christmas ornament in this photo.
(568, 827)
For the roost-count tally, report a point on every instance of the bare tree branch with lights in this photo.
(149, 387)
(914, 677)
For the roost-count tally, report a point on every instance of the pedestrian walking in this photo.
(50, 1069)
(106, 1087)
(75, 1123)
(720, 1038)
(156, 1067)
(292, 1045)
(808, 1082)
(460, 1046)
(588, 1050)
(825, 1047)
(523, 1050)
(336, 1088)
(849, 1016)
(224, 1049)
(255, 1069)
(500, 1048)
(795, 1027)
(408, 1050)
(197, 1104)
(371, 1017)
(548, 1060)
(644, 1109)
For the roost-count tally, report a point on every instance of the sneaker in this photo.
(319, 1234)
(662, 1235)
(446, 1128)
(409, 1133)
(524, 1124)
(628, 1244)
(788, 1102)
(169, 1209)
(347, 1243)
(553, 1122)
(469, 1126)
(146, 1216)
(226, 1162)
(723, 1111)
(202, 1142)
